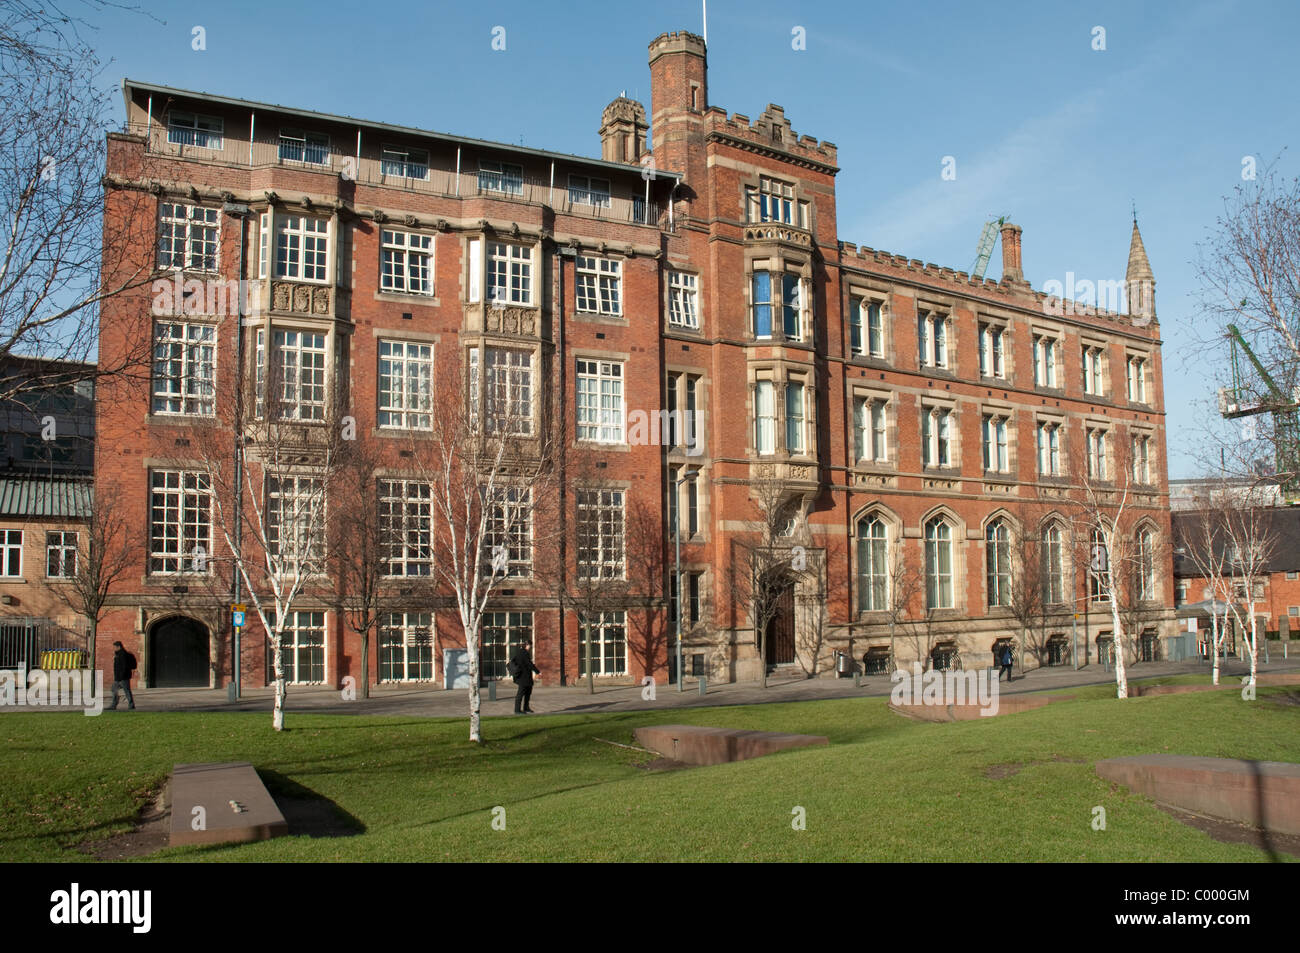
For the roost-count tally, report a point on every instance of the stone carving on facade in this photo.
(511, 321)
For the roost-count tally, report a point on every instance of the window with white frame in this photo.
(866, 328)
(297, 372)
(508, 537)
(932, 338)
(1046, 355)
(996, 457)
(406, 527)
(504, 390)
(192, 129)
(184, 368)
(938, 564)
(683, 300)
(997, 562)
(1093, 365)
(992, 351)
(302, 648)
(1146, 565)
(405, 385)
(586, 190)
(869, 429)
(188, 236)
(782, 293)
(1049, 448)
(684, 494)
(773, 201)
(936, 436)
(60, 554)
(1098, 567)
(1141, 458)
(11, 553)
(873, 565)
(600, 401)
(509, 273)
(405, 262)
(599, 285)
(301, 247)
(1098, 462)
(406, 647)
(694, 583)
(1137, 379)
(600, 528)
(682, 425)
(295, 522)
(764, 417)
(501, 634)
(606, 640)
(796, 418)
(495, 176)
(180, 521)
(404, 162)
(1053, 565)
(296, 145)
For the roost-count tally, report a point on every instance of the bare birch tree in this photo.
(100, 558)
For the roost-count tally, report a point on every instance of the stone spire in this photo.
(1140, 281)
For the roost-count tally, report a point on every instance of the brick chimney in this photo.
(1011, 267)
(623, 129)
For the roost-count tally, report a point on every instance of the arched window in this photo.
(938, 564)
(1146, 564)
(997, 554)
(873, 565)
(1098, 567)
(1053, 565)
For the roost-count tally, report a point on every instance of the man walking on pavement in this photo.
(123, 666)
(524, 669)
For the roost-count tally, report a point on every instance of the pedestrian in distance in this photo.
(123, 666)
(1006, 663)
(522, 669)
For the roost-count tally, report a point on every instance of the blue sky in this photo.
(1059, 136)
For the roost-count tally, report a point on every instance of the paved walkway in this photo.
(428, 701)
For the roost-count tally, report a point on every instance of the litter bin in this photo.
(844, 665)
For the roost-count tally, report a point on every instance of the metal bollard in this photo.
(230, 693)
(492, 690)
(857, 679)
(704, 685)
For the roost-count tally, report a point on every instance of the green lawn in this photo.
(887, 788)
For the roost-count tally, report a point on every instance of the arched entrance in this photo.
(780, 629)
(179, 654)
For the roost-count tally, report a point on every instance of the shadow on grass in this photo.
(309, 814)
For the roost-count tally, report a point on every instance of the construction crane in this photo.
(1241, 401)
(984, 250)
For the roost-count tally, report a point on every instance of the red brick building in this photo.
(910, 414)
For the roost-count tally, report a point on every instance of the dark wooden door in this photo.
(178, 654)
(780, 630)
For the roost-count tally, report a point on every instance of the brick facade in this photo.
(700, 211)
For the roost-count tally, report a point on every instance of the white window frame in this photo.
(933, 331)
(997, 453)
(993, 362)
(64, 551)
(11, 554)
(997, 563)
(189, 237)
(871, 428)
(1141, 458)
(497, 176)
(294, 376)
(406, 263)
(292, 643)
(400, 162)
(601, 523)
(406, 528)
(295, 514)
(796, 417)
(1137, 379)
(936, 436)
(508, 522)
(508, 381)
(765, 417)
(1094, 379)
(405, 391)
(683, 300)
(184, 379)
(403, 634)
(302, 248)
(313, 148)
(599, 396)
(514, 628)
(1049, 447)
(939, 584)
(606, 639)
(509, 274)
(202, 132)
(598, 285)
(1046, 357)
(873, 563)
(188, 495)
(1098, 453)
(585, 190)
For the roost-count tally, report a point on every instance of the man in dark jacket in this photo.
(523, 663)
(123, 666)
(1006, 661)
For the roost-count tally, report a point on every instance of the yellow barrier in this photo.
(63, 659)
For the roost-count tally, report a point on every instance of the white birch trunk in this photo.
(1121, 675)
(1214, 644)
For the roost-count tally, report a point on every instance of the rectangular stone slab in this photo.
(1259, 793)
(693, 744)
(213, 787)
